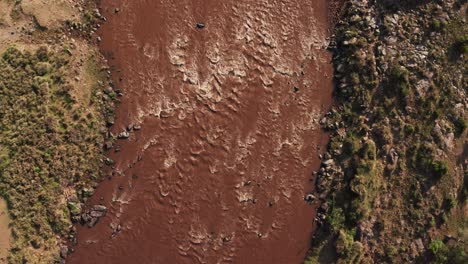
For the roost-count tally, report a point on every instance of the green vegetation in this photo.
(401, 97)
(461, 44)
(49, 150)
(436, 246)
(442, 253)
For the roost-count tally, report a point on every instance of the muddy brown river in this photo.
(229, 112)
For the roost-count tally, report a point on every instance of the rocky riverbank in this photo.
(393, 183)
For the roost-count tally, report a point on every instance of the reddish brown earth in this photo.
(229, 135)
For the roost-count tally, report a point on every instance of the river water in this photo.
(229, 113)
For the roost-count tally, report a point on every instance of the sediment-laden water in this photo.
(224, 131)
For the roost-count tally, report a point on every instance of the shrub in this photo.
(461, 44)
(336, 218)
(409, 129)
(457, 255)
(351, 145)
(450, 202)
(435, 24)
(460, 126)
(399, 77)
(369, 151)
(440, 168)
(436, 246)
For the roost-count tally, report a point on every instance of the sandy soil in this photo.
(5, 233)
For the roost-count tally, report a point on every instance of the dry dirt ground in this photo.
(4, 231)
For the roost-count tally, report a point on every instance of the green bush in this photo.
(436, 246)
(440, 168)
(409, 129)
(460, 126)
(336, 218)
(444, 254)
(399, 78)
(461, 44)
(450, 202)
(351, 145)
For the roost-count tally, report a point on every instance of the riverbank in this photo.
(393, 183)
(52, 114)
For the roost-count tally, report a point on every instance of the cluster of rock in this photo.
(329, 171)
(87, 217)
(91, 216)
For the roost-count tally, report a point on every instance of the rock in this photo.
(93, 222)
(328, 162)
(123, 135)
(97, 214)
(449, 140)
(365, 231)
(165, 114)
(393, 157)
(109, 161)
(391, 40)
(200, 25)
(137, 127)
(322, 217)
(99, 208)
(64, 252)
(108, 145)
(340, 68)
(422, 87)
(115, 229)
(309, 198)
(352, 41)
(85, 218)
(87, 192)
(420, 245)
(110, 121)
(324, 207)
(323, 121)
(109, 90)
